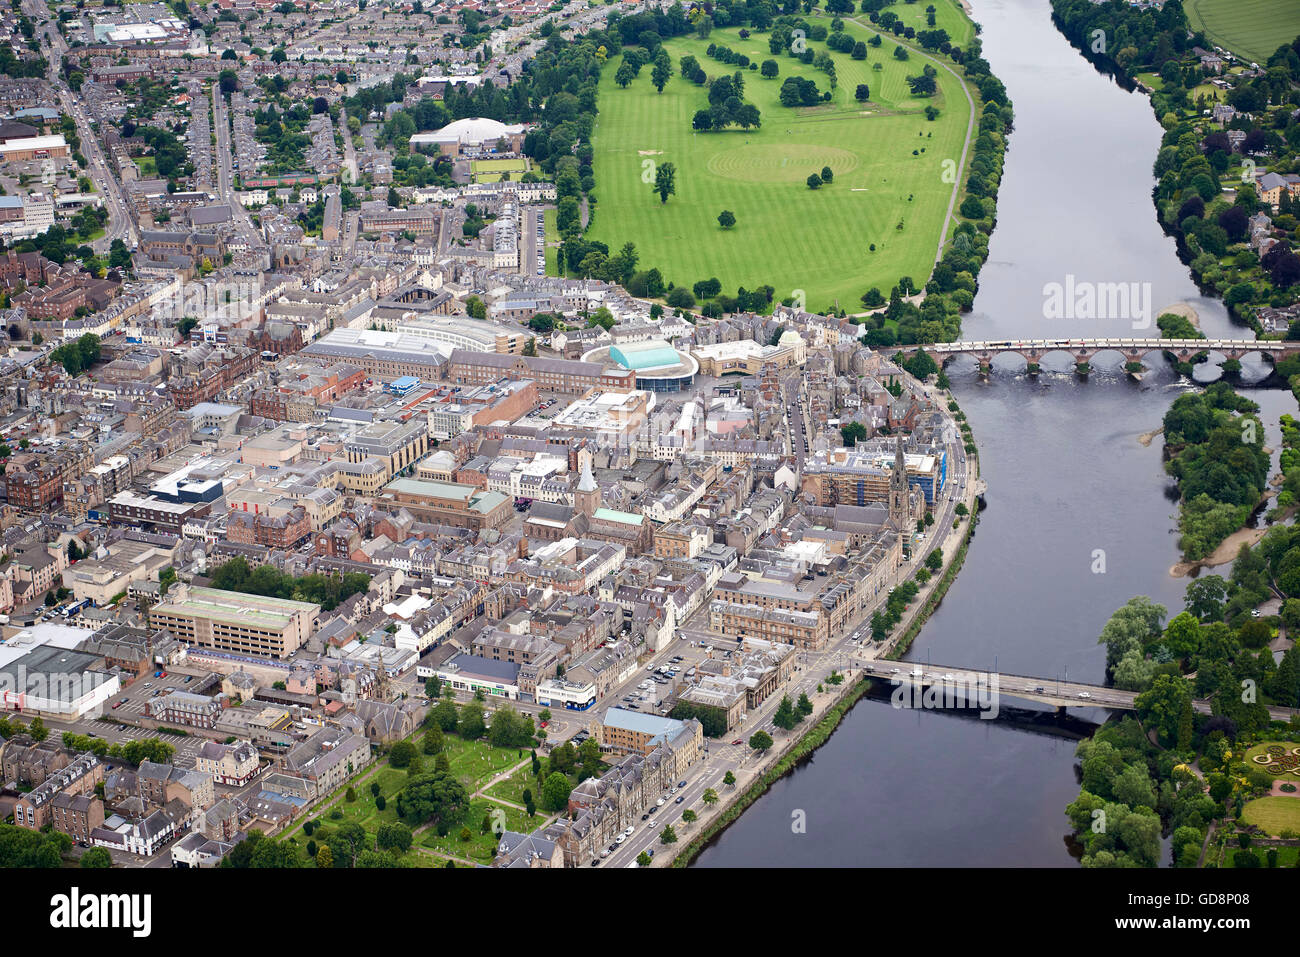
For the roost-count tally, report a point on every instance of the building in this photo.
(551, 375)
(33, 810)
(627, 732)
(448, 503)
(471, 135)
(234, 622)
(383, 355)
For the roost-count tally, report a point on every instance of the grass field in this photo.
(786, 235)
(552, 235)
(1274, 813)
(1249, 28)
(489, 171)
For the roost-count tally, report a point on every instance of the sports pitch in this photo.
(786, 234)
(1249, 28)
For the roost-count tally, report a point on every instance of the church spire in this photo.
(898, 490)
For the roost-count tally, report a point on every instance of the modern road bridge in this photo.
(976, 684)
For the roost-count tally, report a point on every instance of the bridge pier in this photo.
(1082, 368)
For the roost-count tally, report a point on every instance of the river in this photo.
(1068, 482)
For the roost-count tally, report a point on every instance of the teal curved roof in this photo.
(658, 355)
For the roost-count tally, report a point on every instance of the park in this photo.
(894, 169)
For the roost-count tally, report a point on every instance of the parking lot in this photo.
(129, 705)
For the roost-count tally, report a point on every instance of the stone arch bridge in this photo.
(1082, 351)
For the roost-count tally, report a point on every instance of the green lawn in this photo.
(475, 762)
(480, 847)
(552, 235)
(1274, 813)
(512, 788)
(489, 171)
(1249, 28)
(1286, 856)
(786, 235)
(146, 166)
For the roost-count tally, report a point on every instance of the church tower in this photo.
(586, 498)
(898, 490)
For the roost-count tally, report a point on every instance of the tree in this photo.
(862, 93)
(96, 857)
(665, 183)
(814, 181)
(689, 816)
(726, 219)
(472, 725)
(324, 857)
(1205, 596)
(555, 792)
(510, 729)
(435, 797)
(853, 433)
(445, 714)
(828, 175)
(668, 835)
(433, 742)
(710, 796)
(401, 754)
(729, 779)
(393, 836)
(785, 717)
(934, 561)
(760, 741)
(643, 859)
(659, 75)
(803, 706)
(1167, 706)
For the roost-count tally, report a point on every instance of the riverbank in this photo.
(831, 706)
(797, 748)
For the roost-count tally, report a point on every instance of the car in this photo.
(645, 816)
(189, 678)
(1084, 694)
(681, 784)
(157, 674)
(162, 674)
(607, 851)
(660, 802)
(116, 705)
(948, 678)
(681, 798)
(595, 863)
(1039, 689)
(123, 700)
(631, 829)
(620, 839)
(654, 809)
(738, 741)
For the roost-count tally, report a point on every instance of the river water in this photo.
(1069, 483)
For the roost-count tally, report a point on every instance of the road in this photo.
(225, 179)
(121, 222)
